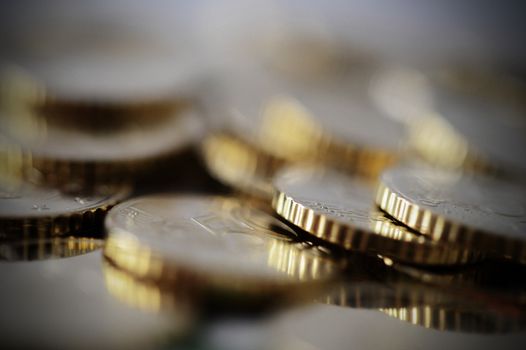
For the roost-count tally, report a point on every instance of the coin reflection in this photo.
(47, 248)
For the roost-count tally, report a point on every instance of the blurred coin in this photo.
(240, 164)
(47, 248)
(341, 210)
(475, 213)
(40, 211)
(63, 303)
(217, 244)
(80, 160)
(471, 125)
(88, 99)
(335, 123)
(331, 121)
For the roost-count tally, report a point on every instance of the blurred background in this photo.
(100, 95)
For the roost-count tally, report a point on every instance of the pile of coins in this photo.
(367, 187)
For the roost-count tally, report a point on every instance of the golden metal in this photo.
(240, 164)
(47, 248)
(456, 319)
(340, 210)
(75, 160)
(219, 244)
(474, 213)
(27, 211)
(292, 131)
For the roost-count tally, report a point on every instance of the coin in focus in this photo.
(217, 245)
(340, 209)
(472, 212)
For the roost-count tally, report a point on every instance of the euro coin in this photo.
(472, 212)
(38, 211)
(340, 210)
(220, 244)
(78, 160)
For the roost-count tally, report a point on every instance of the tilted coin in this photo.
(464, 127)
(335, 123)
(38, 211)
(67, 158)
(81, 104)
(330, 121)
(214, 243)
(341, 210)
(238, 163)
(47, 248)
(478, 212)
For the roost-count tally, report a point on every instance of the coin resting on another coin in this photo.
(222, 243)
(476, 212)
(341, 210)
(26, 209)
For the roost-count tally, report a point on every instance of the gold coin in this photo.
(80, 160)
(38, 211)
(81, 110)
(336, 124)
(240, 164)
(332, 121)
(214, 243)
(475, 213)
(341, 210)
(462, 126)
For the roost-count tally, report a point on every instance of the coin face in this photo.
(47, 248)
(341, 210)
(217, 236)
(346, 112)
(26, 201)
(451, 207)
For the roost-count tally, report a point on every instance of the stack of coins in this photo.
(77, 134)
(334, 189)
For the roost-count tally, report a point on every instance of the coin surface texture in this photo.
(219, 240)
(44, 211)
(341, 210)
(476, 212)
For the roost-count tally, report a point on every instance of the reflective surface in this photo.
(218, 237)
(23, 201)
(47, 248)
(64, 303)
(341, 210)
(440, 204)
